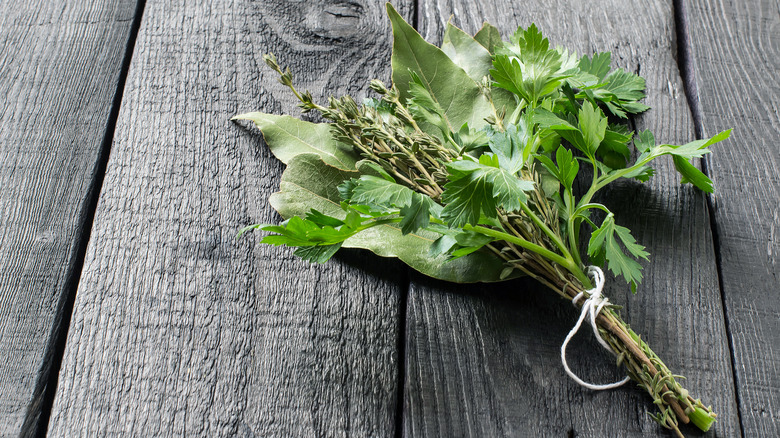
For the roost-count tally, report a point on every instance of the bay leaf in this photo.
(451, 87)
(466, 52)
(288, 137)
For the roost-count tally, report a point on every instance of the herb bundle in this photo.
(465, 169)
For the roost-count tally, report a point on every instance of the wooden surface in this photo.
(180, 329)
(60, 66)
(502, 342)
(735, 54)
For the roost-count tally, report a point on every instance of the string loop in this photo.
(591, 307)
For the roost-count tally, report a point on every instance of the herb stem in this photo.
(573, 234)
(539, 223)
(565, 262)
(501, 235)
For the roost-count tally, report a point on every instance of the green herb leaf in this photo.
(625, 86)
(288, 137)
(692, 175)
(378, 193)
(468, 242)
(641, 173)
(466, 52)
(644, 141)
(549, 120)
(316, 243)
(309, 183)
(471, 140)
(508, 75)
(593, 126)
(565, 169)
(604, 245)
(317, 254)
(489, 37)
(424, 107)
(682, 156)
(417, 214)
(458, 94)
(528, 67)
(614, 150)
(697, 148)
(368, 167)
(478, 189)
(513, 146)
(598, 65)
(621, 92)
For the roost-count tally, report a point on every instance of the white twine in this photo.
(592, 306)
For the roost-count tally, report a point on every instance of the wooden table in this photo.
(128, 307)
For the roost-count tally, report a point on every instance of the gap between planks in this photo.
(36, 421)
(690, 89)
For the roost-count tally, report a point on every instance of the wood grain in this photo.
(484, 361)
(735, 56)
(60, 68)
(179, 328)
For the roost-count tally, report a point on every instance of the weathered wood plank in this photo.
(735, 57)
(60, 66)
(485, 361)
(180, 328)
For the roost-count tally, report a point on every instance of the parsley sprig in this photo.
(465, 168)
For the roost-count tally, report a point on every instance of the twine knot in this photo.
(591, 307)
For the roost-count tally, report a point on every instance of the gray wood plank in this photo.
(485, 360)
(735, 50)
(179, 328)
(60, 66)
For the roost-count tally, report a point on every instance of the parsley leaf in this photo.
(527, 66)
(621, 93)
(598, 65)
(614, 150)
(417, 214)
(593, 126)
(480, 188)
(315, 242)
(378, 193)
(383, 197)
(566, 168)
(513, 146)
(604, 245)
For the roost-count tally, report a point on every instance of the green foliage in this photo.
(605, 245)
(378, 193)
(309, 184)
(424, 108)
(613, 150)
(593, 126)
(527, 67)
(466, 168)
(288, 137)
(488, 37)
(622, 92)
(417, 213)
(566, 169)
(512, 146)
(598, 65)
(467, 52)
(470, 135)
(449, 85)
(479, 188)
